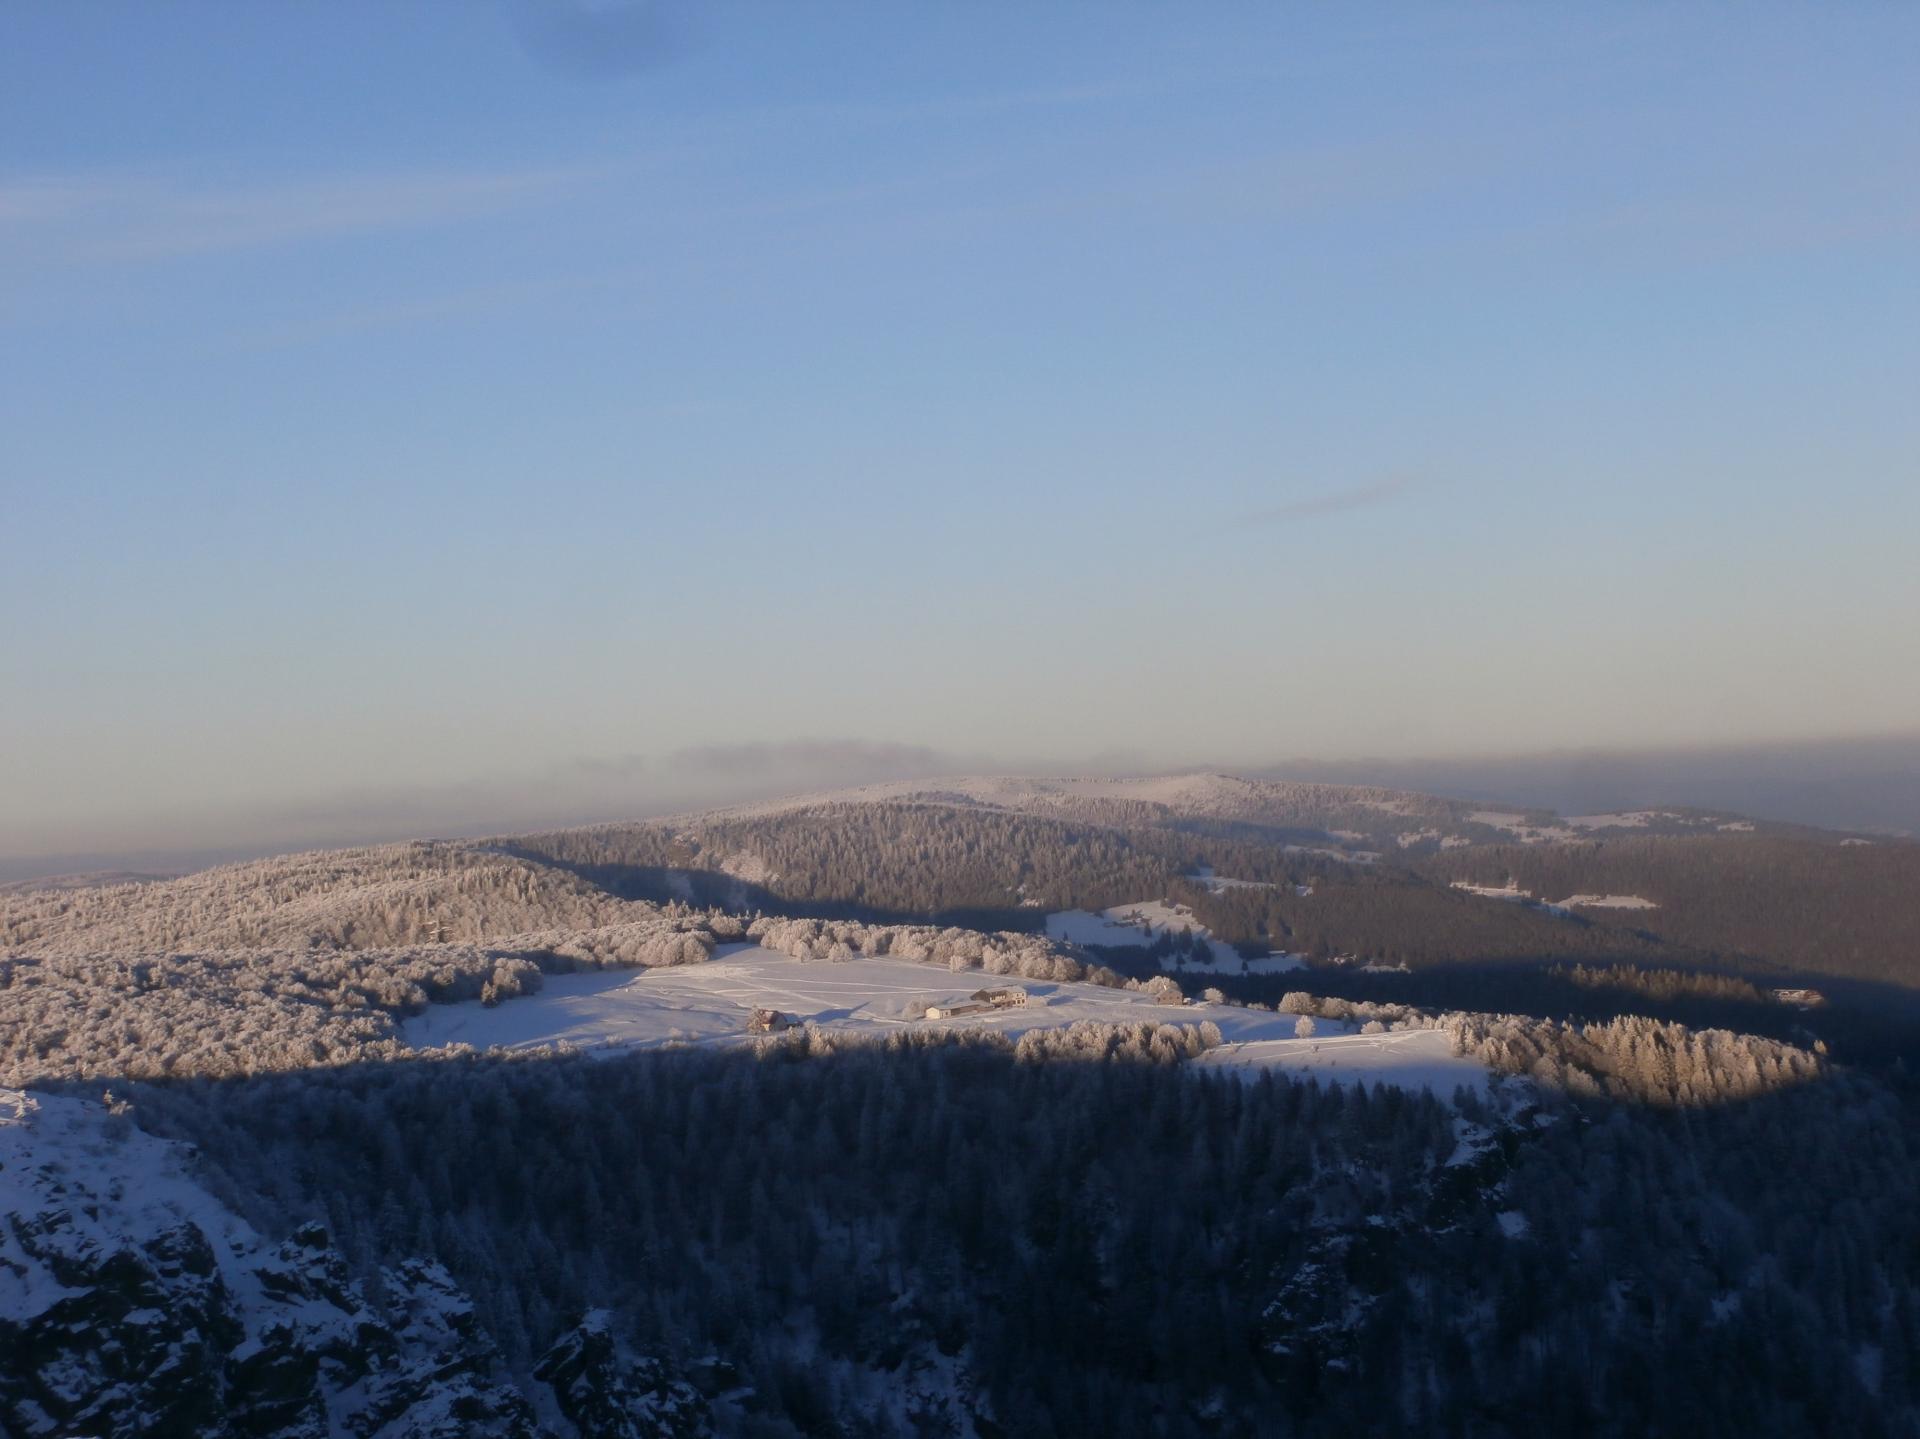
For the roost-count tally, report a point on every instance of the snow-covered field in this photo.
(1512, 892)
(1220, 884)
(1348, 856)
(709, 1003)
(1628, 819)
(1277, 962)
(1124, 924)
(1518, 826)
(1405, 1058)
(1507, 891)
(1140, 924)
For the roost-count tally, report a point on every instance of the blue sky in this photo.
(476, 402)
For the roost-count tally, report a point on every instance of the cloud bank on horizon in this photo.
(1866, 784)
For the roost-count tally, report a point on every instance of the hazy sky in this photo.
(499, 400)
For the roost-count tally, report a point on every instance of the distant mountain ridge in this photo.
(1393, 818)
(1868, 784)
(1332, 872)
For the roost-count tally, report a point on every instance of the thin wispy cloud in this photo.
(1331, 502)
(148, 217)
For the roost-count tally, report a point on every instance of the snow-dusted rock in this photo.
(133, 1303)
(610, 1393)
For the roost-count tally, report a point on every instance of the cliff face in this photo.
(133, 1303)
(609, 1393)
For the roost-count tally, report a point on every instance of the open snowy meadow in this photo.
(1126, 925)
(709, 1004)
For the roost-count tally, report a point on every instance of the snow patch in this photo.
(1220, 884)
(1509, 891)
(1632, 819)
(1348, 856)
(1521, 828)
(1407, 1058)
(1137, 925)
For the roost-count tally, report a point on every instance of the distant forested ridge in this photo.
(329, 950)
(1392, 915)
(929, 861)
(388, 895)
(1765, 902)
(1821, 909)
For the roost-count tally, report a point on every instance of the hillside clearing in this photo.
(709, 1004)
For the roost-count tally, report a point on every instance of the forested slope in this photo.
(312, 957)
(1762, 903)
(333, 899)
(852, 1246)
(915, 858)
(1822, 909)
(1394, 916)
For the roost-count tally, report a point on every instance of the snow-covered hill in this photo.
(1356, 820)
(1102, 799)
(132, 1302)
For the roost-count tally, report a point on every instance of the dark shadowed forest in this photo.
(1042, 1241)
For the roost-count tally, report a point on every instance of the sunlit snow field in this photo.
(1142, 923)
(709, 1003)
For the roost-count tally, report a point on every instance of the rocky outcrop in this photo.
(133, 1303)
(608, 1393)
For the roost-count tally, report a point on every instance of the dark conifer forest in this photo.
(1125, 1239)
(1768, 902)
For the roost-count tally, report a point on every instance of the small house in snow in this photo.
(954, 1011)
(1164, 991)
(1008, 997)
(769, 1021)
